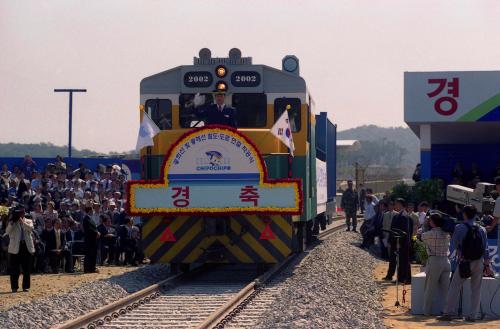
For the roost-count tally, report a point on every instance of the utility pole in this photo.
(70, 91)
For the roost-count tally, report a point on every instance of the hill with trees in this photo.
(47, 150)
(394, 148)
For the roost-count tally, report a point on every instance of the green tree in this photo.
(430, 190)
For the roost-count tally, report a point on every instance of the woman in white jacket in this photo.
(21, 248)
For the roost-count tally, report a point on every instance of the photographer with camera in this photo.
(21, 248)
(496, 212)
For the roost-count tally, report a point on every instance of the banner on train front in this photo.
(214, 170)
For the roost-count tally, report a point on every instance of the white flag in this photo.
(282, 130)
(147, 131)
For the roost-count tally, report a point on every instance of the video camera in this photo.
(480, 197)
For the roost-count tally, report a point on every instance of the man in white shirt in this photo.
(375, 200)
(96, 215)
(369, 207)
(423, 209)
(105, 181)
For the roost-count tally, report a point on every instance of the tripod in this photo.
(398, 235)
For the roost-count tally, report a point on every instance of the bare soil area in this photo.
(43, 285)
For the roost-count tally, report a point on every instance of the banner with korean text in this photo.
(452, 96)
(214, 170)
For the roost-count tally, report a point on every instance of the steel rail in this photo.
(219, 318)
(121, 306)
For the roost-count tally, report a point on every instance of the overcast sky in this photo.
(352, 55)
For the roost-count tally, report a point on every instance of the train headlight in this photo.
(221, 86)
(221, 71)
(288, 107)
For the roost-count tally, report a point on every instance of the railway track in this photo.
(247, 309)
(221, 297)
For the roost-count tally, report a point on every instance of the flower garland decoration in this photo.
(224, 211)
(4, 211)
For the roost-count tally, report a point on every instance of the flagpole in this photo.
(147, 114)
(290, 157)
(283, 131)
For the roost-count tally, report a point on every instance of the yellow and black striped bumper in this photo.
(247, 239)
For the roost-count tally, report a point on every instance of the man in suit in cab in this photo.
(217, 113)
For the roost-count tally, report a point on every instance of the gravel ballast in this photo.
(332, 288)
(48, 311)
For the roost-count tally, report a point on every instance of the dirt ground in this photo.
(43, 285)
(400, 317)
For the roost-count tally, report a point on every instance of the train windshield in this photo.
(187, 113)
(160, 111)
(251, 110)
(280, 104)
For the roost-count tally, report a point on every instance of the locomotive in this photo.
(182, 236)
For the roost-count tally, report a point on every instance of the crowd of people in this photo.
(472, 176)
(462, 176)
(67, 213)
(396, 227)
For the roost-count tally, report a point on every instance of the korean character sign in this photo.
(250, 194)
(180, 196)
(445, 95)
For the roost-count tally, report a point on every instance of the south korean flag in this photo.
(283, 131)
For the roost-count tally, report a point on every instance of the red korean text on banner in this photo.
(250, 194)
(167, 236)
(181, 196)
(267, 234)
(451, 100)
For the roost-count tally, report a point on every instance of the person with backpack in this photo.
(471, 246)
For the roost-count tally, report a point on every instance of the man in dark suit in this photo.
(127, 241)
(76, 212)
(74, 233)
(90, 236)
(57, 248)
(74, 238)
(218, 113)
(401, 226)
(108, 240)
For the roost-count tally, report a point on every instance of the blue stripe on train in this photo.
(208, 177)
